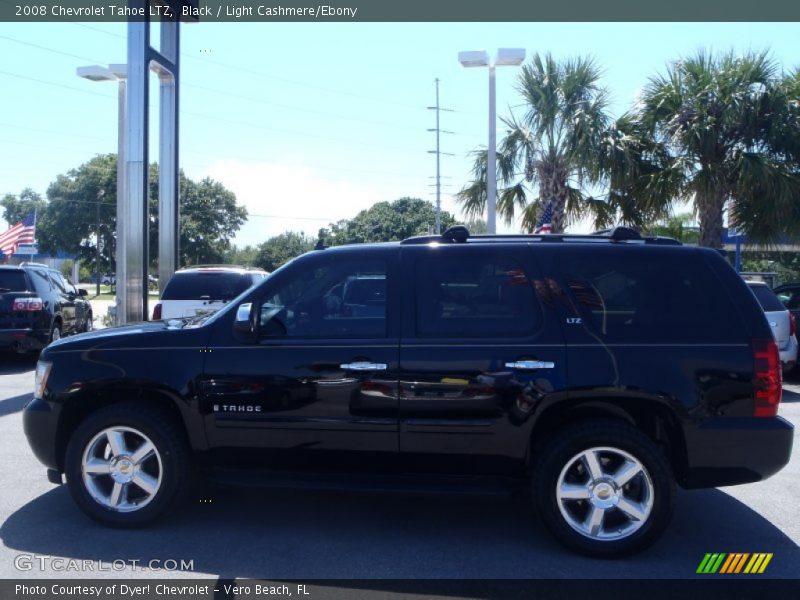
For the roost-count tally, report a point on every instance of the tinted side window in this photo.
(491, 296)
(628, 296)
(767, 298)
(794, 302)
(41, 281)
(206, 285)
(346, 299)
(58, 282)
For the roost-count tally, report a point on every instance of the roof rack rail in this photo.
(455, 234)
(221, 266)
(460, 234)
(618, 234)
(28, 263)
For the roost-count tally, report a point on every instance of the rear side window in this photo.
(41, 281)
(794, 301)
(206, 285)
(13, 281)
(489, 296)
(767, 298)
(58, 281)
(629, 295)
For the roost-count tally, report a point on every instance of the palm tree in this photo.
(553, 147)
(629, 160)
(720, 122)
(678, 227)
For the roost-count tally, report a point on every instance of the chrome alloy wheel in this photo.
(605, 493)
(121, 469)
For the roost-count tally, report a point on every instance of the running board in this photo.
(403, 483)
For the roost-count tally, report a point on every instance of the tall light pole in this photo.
(480, 58)
(118, 73)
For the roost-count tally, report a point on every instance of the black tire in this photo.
(170, 443)
(89, 324)
(563, 447)
(55, 331)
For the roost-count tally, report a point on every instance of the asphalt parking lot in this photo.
(234, 532)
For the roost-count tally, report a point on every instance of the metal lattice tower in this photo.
(438, 152)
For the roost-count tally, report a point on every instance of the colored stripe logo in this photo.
(734, 563)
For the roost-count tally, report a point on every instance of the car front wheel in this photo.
(127, 464)
(604, 489)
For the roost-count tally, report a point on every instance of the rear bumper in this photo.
(789, 353)
(40, 422)
(23, 340)
(731, 451)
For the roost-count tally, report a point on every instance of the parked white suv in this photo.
(204, 289)
(780, 320)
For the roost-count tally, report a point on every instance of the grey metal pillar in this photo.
(122, 213)
(168, 183)
(133, 229)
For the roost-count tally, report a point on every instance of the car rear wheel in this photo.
(89, 325)
(128, 464)
(55, 332)
(604, 489)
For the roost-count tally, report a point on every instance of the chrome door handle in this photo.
(363, 366)
(530, 365)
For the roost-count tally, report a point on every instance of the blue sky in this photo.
(311, 122)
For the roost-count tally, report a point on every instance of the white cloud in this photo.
(293, 197)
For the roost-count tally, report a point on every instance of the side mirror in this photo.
(245, 324)
(82, 292)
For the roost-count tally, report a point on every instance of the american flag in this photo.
(545, 223)
(23, 232)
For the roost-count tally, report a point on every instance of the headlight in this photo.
(42, 373)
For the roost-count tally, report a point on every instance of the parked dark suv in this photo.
(600, 370)
(37, 306)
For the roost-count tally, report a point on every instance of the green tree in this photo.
(17, 207)
(209, 219)
(87, 195)
(386, 222)
(81, 203)
(476, 226)
(553, 147)
(678, 227)
(66, 269)
(727, 124)
(245, 256)
(628, 158)
(280, 249)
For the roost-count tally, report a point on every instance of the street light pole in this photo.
(100, 194)
(491, 158)
(480, 58)
(119, 73)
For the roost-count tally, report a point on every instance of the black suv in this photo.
(600, 370)
(37, 306)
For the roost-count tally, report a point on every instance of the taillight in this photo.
(792, 324)
(27, 304)
(767, 383)
(157, 312)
